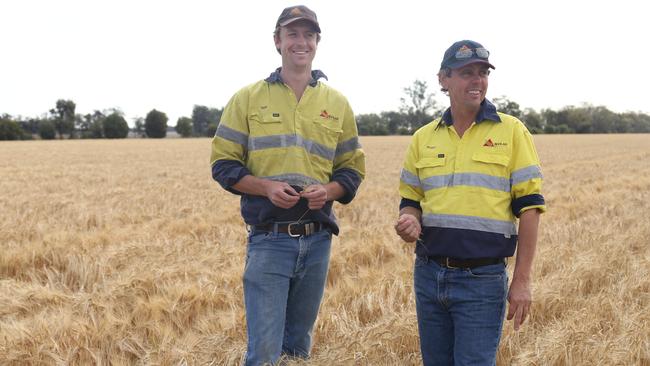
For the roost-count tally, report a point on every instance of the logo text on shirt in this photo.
(490, 143)
(326, 115)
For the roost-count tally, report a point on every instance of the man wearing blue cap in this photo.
(468, 177)
(288, 145)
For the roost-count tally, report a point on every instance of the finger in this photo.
(518, 317)
(524, 313)
(317, 194)
(511, 311)
(289, 190)
(405, 225)
(287, 197)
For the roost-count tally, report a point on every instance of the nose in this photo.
(302, 39)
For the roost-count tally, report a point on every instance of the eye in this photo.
(484, 73)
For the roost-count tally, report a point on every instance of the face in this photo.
(467, 85)
(297, 43)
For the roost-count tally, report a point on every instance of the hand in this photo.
(408, 228)
(281, 194)
(520, 299)
(316, 196)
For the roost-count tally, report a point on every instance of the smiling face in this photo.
(297, 43)
(467, 85)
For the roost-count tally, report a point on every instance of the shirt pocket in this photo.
(491, 164)
(430, 163)
(326, 135)
(432, 173)
(266, 130)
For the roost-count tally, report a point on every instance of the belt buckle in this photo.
(289, 230)
(449, 265)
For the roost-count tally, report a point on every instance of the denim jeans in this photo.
(460, 312)
(284, 280)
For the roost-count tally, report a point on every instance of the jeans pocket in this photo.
(492, 271)
(419, 262)
(255, 237)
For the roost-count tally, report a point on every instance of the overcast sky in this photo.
(170, 55)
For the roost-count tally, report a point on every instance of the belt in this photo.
(464, 263)
(294, 229)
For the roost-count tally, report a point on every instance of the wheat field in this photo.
(127, 253)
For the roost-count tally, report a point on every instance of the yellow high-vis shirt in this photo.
(265, 131)
(471, 189)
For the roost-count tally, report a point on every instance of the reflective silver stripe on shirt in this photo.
(470, 223)
(294, 179)
(410, 178)
(268, 142)
(232, 135)
(467, 179)
(524, 174)
(347, 146)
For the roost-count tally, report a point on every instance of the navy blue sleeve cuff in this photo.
(525, 201)
(350, 181)
(228, 173)
(409, 203)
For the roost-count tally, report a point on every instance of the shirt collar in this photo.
(487, 112)
(315, 75)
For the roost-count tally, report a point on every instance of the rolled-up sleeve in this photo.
(230, 144)
(526, 174)
(349, 159)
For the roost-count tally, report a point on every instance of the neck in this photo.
(296, 78)
(462, 117)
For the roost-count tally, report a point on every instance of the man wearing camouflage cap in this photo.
(288, 145)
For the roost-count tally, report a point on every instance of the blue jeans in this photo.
(284, 280)
(460, 312)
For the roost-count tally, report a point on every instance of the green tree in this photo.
(63, 117)
(507, 106)
(602, 120)
(212, 129)
(115, 126)
(155, 124)
(200, 119)
(203, 117)
(533, 120)
(138, 128)
(10, 130)
(46, 130)
(395, 122)
(419, 105)
(184, 126)
(371, 124)
(91, 125)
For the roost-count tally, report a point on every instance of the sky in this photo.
(137, 55)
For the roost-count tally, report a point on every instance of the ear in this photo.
(276, 40)
(442, 79)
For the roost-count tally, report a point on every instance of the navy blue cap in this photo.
(473, 51)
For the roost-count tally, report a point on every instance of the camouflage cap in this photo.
(298, 12)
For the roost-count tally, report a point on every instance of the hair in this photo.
(276, 34)
(445, 71)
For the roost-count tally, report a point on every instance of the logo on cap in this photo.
(296, 12)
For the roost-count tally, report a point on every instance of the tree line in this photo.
(418, 107)
(63, 123)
